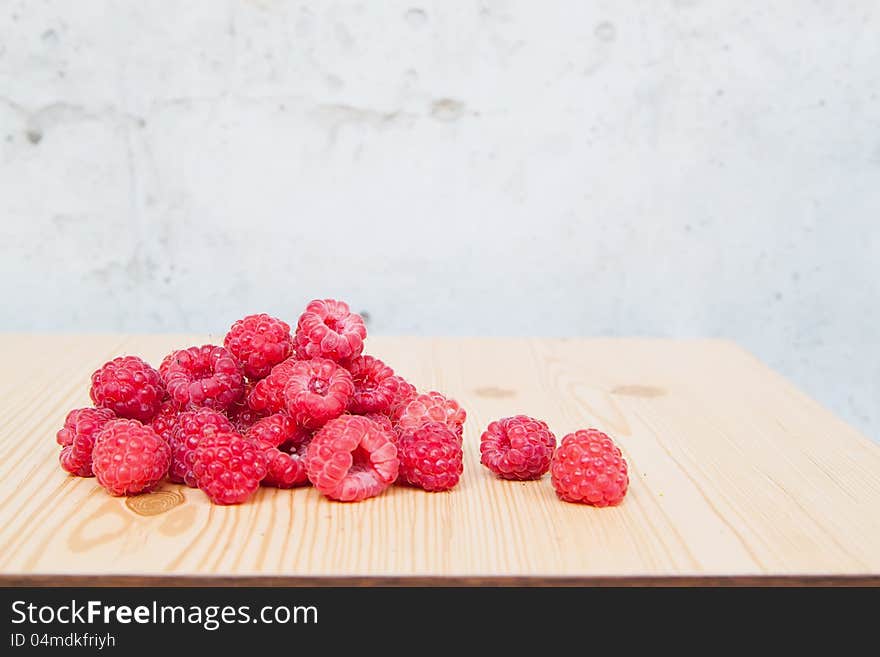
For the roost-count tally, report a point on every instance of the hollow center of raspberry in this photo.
(333, 324)
(319, 386)
(360, 459)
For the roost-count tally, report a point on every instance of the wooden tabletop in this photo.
(736, 477)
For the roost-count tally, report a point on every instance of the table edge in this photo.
(174, 581)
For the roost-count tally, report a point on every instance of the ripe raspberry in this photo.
(317, 390)
(190, 429)
(589, 468)
(243, 416)
(228, 467)
(77, 438)
(518, 447)
(430, 457)
(129, 387)
(129, 457)
(430, 407)
(267, 396)
(165, 419)
(206, 376)
(328, 329)
(403, 393)
(259, 342)
(352, 458)
(274, 430)
(287, 464)
(373, 385)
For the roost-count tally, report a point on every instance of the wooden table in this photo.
(736, 477)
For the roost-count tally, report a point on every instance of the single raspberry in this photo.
(430, 457)
(77, 438)
(129, 387)
(374, 388)
(328, 329)
(317, 390)
(206, 376)
(267, 396)
(259, 342)
(190, 429)
(352, 458)
(430, 407)
(129, 457)
(518, 447)
(228, 467)
(274, 430)
(286, 465)
(403, 392)
(165, 419)
(589, 468)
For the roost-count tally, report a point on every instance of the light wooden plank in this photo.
(734, 472)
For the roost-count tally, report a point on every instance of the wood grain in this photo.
(737, 477)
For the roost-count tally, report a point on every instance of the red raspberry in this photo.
(129, 387)
(259, 342)
(267, 395)
(430, 457)
(403, 392)
(317, 390)
(352, 458)
(518, 447)
(430, 407)
(228, 467)
(165, 419)
(275, 430)
(206, 376)
(287, 463)
(328, 329)
(77, 438)
(589, 468)
(190, 429)
(129, 457)
(374, 388)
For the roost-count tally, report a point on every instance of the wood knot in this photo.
(636, 390)
(495, 393)
(152, 504)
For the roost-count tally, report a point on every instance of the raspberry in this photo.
(129, 387)
(267, 395)
(403, 392)
(274, 430)
(228, 467)
(317, 391)
(129, 457)
(589, 468)
(430, 407)
(518, 447)
(243, 416)
(352, 458)
(430, 457)
(287, 464)
(202, 376)
(259, 342)
(383, 421)
(374, 388)
(328, 329)
(77, 438)
(165, 420)
(189, 431)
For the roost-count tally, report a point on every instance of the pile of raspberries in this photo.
(283, 409)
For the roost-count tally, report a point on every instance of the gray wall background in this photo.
(658, 168)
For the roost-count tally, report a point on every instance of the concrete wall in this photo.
(661, 168)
